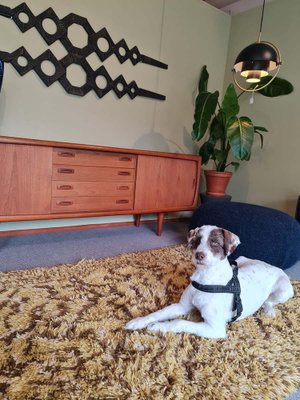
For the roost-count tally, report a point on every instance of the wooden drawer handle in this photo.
(64, 203)
(125, 158)
(65, 187)
(66, 154)
(123, 187)
(122, 201)
(66, 170)
(124, 173)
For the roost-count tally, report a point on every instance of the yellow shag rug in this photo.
(62, 337)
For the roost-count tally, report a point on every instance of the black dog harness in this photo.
(233, 286)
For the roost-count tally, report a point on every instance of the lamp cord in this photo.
(261, 21)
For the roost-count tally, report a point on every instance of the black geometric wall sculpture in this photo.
(76, 55)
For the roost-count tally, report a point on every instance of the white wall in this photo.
(184, 34)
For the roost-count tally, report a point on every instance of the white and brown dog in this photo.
(261, 285)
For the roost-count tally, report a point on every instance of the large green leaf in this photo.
(235, 165)
(205, 107)
(258, 130)
(217, 129)
(261, 139)
(221, 155)
(204, 75)
(240, 135)
(230, 105)
(278, 87)
(206, 151)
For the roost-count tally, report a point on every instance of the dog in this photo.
(260, 284)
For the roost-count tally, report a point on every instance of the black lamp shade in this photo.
(258, 56)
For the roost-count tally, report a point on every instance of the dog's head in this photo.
(210, 243)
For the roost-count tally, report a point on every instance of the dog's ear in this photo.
(192, 238)
(231, 241)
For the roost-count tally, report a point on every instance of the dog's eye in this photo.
(215, 243)
(197, 242)
(194, 242)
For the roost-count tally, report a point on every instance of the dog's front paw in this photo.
(137, 323)
(269, 310)
(159, 326)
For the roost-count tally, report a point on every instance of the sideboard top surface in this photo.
(47, 143)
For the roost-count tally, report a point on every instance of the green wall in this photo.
(186, 35)
(272, 177)
(183, 34)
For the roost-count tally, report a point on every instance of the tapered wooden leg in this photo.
(160, 222)
(137, 219)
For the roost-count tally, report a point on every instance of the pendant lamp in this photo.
(255, 62)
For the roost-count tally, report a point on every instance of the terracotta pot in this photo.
(216, 182)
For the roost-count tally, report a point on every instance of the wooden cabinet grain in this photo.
(165, 183)
(25, 180)
(46, 180)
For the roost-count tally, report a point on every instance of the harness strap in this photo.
(233, 286)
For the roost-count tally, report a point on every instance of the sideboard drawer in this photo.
(93, 158)
(91, 174)
(90, 204)
(69, 188)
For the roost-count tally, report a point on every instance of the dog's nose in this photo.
(199, 255)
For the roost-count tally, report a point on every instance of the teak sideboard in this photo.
(48, 180)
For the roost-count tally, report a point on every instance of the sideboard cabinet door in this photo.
(25, 179)
(165, 183)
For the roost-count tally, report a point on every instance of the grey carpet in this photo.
(47, 249)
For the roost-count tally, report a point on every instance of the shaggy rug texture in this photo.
(62, 337)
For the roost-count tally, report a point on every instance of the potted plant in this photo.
(229, 137)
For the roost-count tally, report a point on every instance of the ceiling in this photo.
(235, 6)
